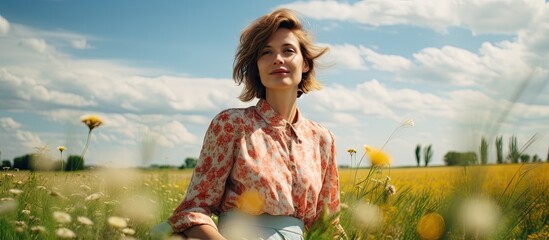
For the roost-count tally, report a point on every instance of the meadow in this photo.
(477, 202)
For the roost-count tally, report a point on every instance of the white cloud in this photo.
(38, 45)
(28, 139)
(9, 123)
(80, 43)
(479, 16)
(344, 56)
(4, 26)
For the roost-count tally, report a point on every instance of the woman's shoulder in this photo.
(234, 115)
(319, 128)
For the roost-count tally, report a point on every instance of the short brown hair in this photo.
(254, 38)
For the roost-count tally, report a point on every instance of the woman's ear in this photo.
(305, 67)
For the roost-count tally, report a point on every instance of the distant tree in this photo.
(190, 162)
(514, 153)
(547, 160)
(23, 162)
(428, 154)
(418, 154)
(499, 149)
(536, 158)
(453, 158)
(483, 151)
(6, 163)
(74, 163)
(524, 158)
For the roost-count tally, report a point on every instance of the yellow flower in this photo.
(351, 151)
(61, 148)
(92, 121)
(430, 226)
(377, 157)
(250, 202)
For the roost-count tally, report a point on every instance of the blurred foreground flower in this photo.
(377, 156)
(65, 233)
(250, 202)
(117, 222)
(15, 191)
(84, 220)
(367, 216)
(62, 217)
(92, 121)
(479, 217)
(430, 226)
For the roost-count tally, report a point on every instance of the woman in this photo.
(266, 171)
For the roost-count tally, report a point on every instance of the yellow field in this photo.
(516, 196)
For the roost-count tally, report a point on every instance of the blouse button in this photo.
(293, 166)
(295, 184)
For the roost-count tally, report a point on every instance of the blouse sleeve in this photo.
(207, 186)
(329, 194)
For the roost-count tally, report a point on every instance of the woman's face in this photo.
(281, 63)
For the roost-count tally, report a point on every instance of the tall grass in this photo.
(512, 201)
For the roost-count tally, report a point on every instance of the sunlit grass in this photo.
(110, 204)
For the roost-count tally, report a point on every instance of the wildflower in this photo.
(65, 233)
(94, 196)
(390, 189)
(85, 187)
(408, 123)
(367, 215)
(92, 121)
(62, 217)
(377, 157)
(250, 202)
(117, 222)
(351, 151)
(40, 187)
(6, 168)
(430, 226)
(61, 148)
(7, 206)
(128, 231)
(479, 216)
(15, 191)
(38, 229)
(84, 220)
(26, 212)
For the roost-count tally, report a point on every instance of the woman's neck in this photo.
(284, 103)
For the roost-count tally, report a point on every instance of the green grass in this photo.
(517, 194)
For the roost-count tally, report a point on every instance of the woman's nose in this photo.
(278, 59)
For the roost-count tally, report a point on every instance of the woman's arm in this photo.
(202, 232)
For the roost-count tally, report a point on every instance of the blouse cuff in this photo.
(183, 220)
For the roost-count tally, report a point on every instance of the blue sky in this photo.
(157, 72)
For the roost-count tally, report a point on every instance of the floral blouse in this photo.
(291, 166)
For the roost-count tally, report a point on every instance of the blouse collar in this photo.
(272, 117)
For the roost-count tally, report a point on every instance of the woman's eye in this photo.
(290, 50)
(265, 52)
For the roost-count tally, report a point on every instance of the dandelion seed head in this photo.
(92, 121)
(430, 226)
(408, 123)
(65, 233)
(117, 222)
(367, 215)
(62, 217)
(250, 202)
(479, 215)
